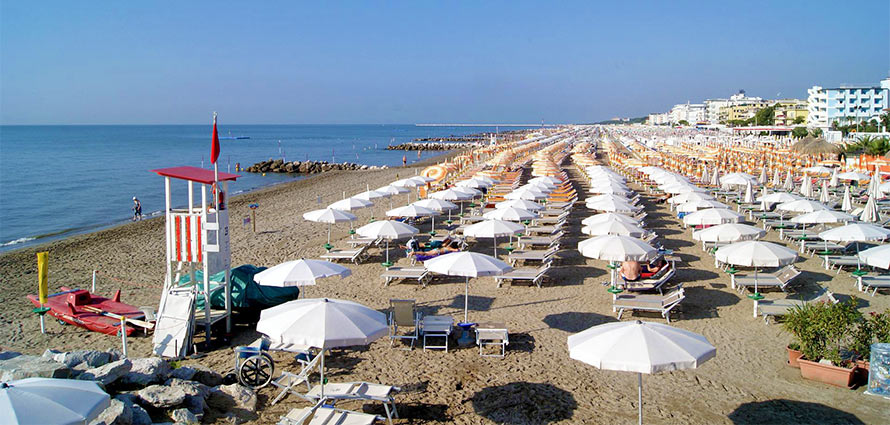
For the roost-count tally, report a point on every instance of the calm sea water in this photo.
(56, 181)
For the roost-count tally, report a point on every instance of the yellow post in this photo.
(42, 287)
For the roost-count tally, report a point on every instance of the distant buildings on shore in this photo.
(823, 108)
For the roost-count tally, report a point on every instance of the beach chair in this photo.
(533, 275)
(654, 281)
(546, 230)
(321, 415)
(534, 255)
(357, 242)
(403, 313)
(780, 279)
(662, 304)
(840, 261)
(362, 391)
(356, 255)
(873, 282)
(488, 334)
(778, 308)
(420, 274)
(288, 380)
(436, 327)
(525, 241)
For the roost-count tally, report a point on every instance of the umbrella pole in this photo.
(466, 300)
(495, 246)
(321, 373)
(329, 233)
(639, 395)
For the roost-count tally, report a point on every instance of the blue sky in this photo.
(64, 62)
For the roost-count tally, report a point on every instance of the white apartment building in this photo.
(692, 113)
(712, 109)
(846, 104)
(659, 119)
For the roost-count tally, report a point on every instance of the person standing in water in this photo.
(137, 209)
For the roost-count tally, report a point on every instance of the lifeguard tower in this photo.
(197, 239)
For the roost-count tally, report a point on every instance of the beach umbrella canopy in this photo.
(350, 204)
(847, 204)
(510, 214)
(551, 179)
(693, 206)
(616, 248)
(435, 204)
(606, 217)
(749, 194)
(451, 195)
(764, 176)
(467, 264)
(853, 176)
(711, 216)
(823, 194)
(729, 232)
(329, 216)
(542, 185)
(474, 183)
(801, 206)
(614, 227)
(51, 401)
(779, 197)
(527, 193)
(833, 181)
(818, 170)
(756, 254)
(715, 178)
(878, 256)
(856, 232)
(371, 195)
(870, 212)
(606, 196)
(392, 190)
(468, 190)
(640, 347)
(299, 273)
(789, 182)
(492, 228)
(321, 323)
(612, 205)
(690, 196)
(519, 203)
(411, 211)
(415, 181)
(387, 230)
(777, 178)
(704, 175)
(675, 188)
(822, 216)
(610, 188)
(737, 179)
(874, 186)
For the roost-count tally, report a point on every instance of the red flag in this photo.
(214, 145)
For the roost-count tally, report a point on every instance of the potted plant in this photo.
(825, 332)
(873, 329)
(794, 354)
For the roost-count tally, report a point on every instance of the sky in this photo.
(173, 62)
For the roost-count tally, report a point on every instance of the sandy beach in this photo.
(536, 383)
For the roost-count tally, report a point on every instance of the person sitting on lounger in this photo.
(630, 270)
(653, 267)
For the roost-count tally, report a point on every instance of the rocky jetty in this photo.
(433, 146)
(143, 390)
(306, 167)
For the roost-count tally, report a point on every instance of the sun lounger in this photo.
(545, 229)
(420, 274)
(321, 415)
(356, 255)
(654, 282)
(358, 391)
(815, 246)
(525, 241)
(840, 261)
(488, 334)
(659, 303)
(873, 282)
(436, 327)
(530, 274)
(780, 279)
(544, 221)
(357, 242)
(403, 313)
(535, 255)
(288, 380)
(781, 307)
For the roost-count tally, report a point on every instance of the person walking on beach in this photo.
(405, 160)
(137, 209)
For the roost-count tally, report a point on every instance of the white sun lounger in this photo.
(358, 391)
(488, 334)
(536, 255)
(662, 304)
(319, 415)
(540, 240)
(287, 381)
(420, 274)
(780, 280)
(531, 274)
(873, 282)
(781, 307)
(356, 255)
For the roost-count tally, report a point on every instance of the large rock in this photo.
(147, 371)
(206, 375)
(224, 397)
(139, 415)
(92, 358)
(189, 387)
(184, 372)
(162, 396)
(21, 367)
(108, 373)
(118, 413)
(184, 416)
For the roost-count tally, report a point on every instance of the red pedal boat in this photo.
(81, 308)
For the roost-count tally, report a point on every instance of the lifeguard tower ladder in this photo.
(197, 239)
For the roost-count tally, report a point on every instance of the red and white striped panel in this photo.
(187, 236)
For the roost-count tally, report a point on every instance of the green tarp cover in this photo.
(246, 294)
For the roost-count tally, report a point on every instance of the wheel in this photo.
(256, 371)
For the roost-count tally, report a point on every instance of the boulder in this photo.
(139, 415)
(108, 373)
(118, 413)
(189, 387)
(162, 396)
(92, 358)
(21, 367)
(195, 404)
(206, 375)
(184, 416)
(304, 167)
(224, 397)
(6, 355)
(147, 371)
(184, 372)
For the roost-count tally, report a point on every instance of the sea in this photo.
(58, 181)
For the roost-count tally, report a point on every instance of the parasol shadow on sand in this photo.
(524, 403)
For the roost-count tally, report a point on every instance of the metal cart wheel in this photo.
(256, 371)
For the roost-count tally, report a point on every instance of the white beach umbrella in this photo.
(371, 195)
(387, 230)
(451, 195)
(705, 176)
(693, 206)
(818, 170)
(614, 189)
(801, 206)
(612, 205)
(542, 185)
(51, 401)
(640, 347)
(789, 182)
(756, 254)
(438, 205)
(847, 204)
(689, 196)
(833, 181)
(510, 214)
(519, 203)
(853, 176)
(551, 179)
(711, 216)
(737, 179)
(615, 248)
(606, 197)
(873, 185)
(329, 216)
(492, 228)
(527, 193)
(467, 264)
(878, 256)
(822, 217)
(764, 177)
(321, 323)
(614, 227)
(777, 178)
(414, 211)
(806, 187)
(856, 232)
(779, 197)
(729, 232)
(749, 194)
(299, 273)
(475, 184)
(675, 188)
(715, 178)
(350, 204)
(870, 213)
(606, 217)
(823, 194)
(409, 182)
(392, 190)
(467, 190)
